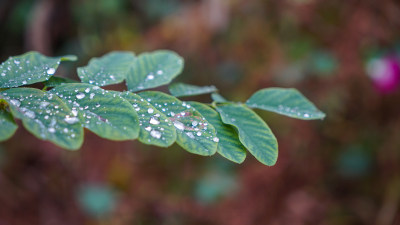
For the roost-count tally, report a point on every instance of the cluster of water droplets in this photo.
(151, 119)
(46, 112)
(18, 71)
(187, 120)
(102, 76)
(296, 111)
(77, 100)
(153, 75)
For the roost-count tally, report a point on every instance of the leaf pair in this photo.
(148, 70)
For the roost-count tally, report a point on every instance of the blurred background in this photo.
(342, 55)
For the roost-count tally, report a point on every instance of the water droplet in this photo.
(150, 110)
(148, 128)
(44, 104)
(30, 114)
(160, 72)
(150, 77)
(92, 95)
(51, 129)
(87, 90)
(306, 115)
(189, 134)
(80, 95)
(154, 121)
(74, 112)
(195, 123)
(15, 102)
(155, 134)
(51, 71)
(215, 139)
(179, 125)
(71, 120)
(198, 133)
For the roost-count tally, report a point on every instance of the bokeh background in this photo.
(342, 55)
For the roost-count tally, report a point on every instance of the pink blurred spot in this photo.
(385, 73)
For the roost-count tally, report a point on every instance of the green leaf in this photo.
(7, 125)
(111, 68)
(29, 68)
(285, 101)
(55, 81)
(155, 127)
(107, 115)
(254, 133)
(218, 98)
(154, 69)
(45, 116)
(229, 145)
(194, 133)
(181, 89)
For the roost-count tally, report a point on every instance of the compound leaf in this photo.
(45, 116)
(154, 69)
(194, 133)
(254, 133)
(111, 68)
(7, 125)
(106, 114)
(285, 101)
(181, 89)
(229, 145)
(155, 127)
(29, 68)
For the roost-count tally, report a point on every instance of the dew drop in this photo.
(80, 95)
(215, 139)
(148, 128)
(189, 134)
(51, 71)
(30, 114)
(179, 125)
(92, 95)
(71, 120)
(154, 121)
(306, 115)
(44, 104)
(74, 112)
(51, 129)
(155, 134)
(15, 102)
(150, 110)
